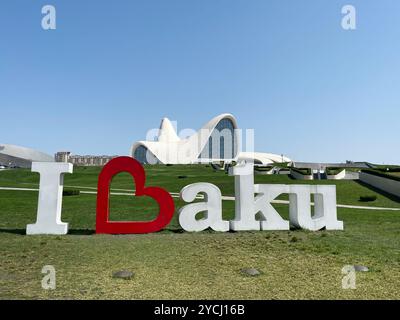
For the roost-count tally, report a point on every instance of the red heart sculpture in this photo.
(163, 198)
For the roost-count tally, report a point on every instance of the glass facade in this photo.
(145, 156)
(222, 142)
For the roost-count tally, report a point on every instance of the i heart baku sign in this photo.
(250, 200)
(163, 198)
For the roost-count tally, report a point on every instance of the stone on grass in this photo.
(251, 272)
(361, 268)
(123, 274)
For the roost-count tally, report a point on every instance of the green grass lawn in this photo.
(175, 264)
(397, 174)
(348, 192)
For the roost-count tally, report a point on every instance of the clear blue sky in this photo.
(113, 69)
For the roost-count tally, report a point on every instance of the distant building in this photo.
(62, 156)
(21, 157)
(78, 160)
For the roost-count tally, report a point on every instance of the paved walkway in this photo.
(176, 195)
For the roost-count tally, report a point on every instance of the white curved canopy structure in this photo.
(261, 158)
(217, 140)
(16, 156)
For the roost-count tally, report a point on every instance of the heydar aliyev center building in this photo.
(218, 140)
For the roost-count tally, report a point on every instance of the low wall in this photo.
(341, 175)
(352, 175)
(299, 176)
(264, 172)
(381, 183)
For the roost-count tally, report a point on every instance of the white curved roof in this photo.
(170, 149)
(24, 153)
(264, 158)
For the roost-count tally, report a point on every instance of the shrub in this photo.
(304, 171)
(386, 168)
(334, 170)
(390, 169)
(265, 168)
(369, 198)
(71, 192)
(381, 174)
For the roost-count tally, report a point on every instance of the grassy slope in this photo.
(348, 192)
(171, 264)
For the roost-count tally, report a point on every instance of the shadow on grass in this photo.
(14, 231)
(88, 232)
(79, 232)
(381, 192)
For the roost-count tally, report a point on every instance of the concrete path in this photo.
(176, 195)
